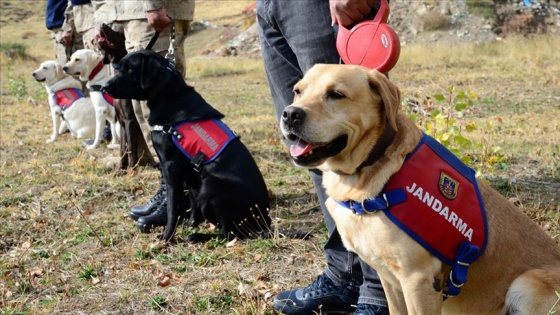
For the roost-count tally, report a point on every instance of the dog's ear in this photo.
(151, 71)
(93, 59)
(59, 72)
(389, 93)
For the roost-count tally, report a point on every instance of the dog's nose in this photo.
(65, 68)
(293, 116)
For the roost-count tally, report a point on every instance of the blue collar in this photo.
(383, 202)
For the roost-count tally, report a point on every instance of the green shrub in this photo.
(16, 85)
(444, 118)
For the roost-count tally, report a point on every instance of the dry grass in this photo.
(67, 245)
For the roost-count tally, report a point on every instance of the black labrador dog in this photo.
(205, 165)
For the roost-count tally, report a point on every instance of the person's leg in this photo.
(292, 43)
(60, 50)
(137, 35)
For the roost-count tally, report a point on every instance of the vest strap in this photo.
(466, 255)
(197, 160)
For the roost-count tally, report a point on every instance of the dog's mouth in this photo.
(40, 79)
(313, 154)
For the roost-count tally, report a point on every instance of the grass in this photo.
(67, 245)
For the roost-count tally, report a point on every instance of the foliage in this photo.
(482, 8)
(157, 302)
(14, 50)
(16, 85)
(444, 118)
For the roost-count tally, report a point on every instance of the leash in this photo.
(171, 50)
(152, 40)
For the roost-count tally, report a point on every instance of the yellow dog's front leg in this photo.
(395, 299)
(422, 295)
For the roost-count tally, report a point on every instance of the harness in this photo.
(64, 99)
(200, 141)
(435, 199)
(108, 98)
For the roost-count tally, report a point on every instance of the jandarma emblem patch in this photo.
(448, 186)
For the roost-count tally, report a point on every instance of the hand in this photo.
(158, 19)
(66, 38)
(348, 12)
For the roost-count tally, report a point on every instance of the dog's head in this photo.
(338, 114)
(139, 75)
(82, 62)
(112, 43)
(49, 72)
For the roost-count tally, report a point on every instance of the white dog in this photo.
(89, 66)
(69, 108)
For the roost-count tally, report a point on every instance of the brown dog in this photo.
(134, 150)
(345, 121)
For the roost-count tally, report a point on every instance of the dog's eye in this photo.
(335, 95)
(297, 91)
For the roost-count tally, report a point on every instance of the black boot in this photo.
(107, 136)
(157, 218)
(152, 205)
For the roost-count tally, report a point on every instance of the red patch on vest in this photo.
(209, 137)
(109, 99)
(65, 98)
(443, 207)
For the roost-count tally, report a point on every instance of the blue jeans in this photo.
(295, 35)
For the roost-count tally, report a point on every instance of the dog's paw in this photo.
(114, 146)
(51, 140)
(91, 147)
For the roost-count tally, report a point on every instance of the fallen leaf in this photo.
(37, 272)
(231, 243)
(164, 282)
(95, 280)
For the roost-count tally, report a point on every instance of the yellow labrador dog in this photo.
(69, 108)
(345, 120)
(88, 65)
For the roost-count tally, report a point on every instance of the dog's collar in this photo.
(95, 88)
(96, 70)
(375, 204)
(379, 148)
(164, 128)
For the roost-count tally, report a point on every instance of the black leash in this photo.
(153, 40)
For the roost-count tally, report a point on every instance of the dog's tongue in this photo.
(300, 148)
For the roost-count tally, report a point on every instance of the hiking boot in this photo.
(152, 204)
(368, 309)
(106, 136)
(157, 218)
(322, 296)
(87, 142)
